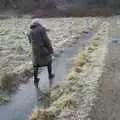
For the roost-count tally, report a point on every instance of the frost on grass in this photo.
(15, 50)
(75, 98)
(66, 101)
(42, 115)
(4, 98)
(8, 81)
(81, 59)
(72, 75)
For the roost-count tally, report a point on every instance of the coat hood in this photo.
(35, 23)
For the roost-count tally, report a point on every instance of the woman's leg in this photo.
(36, 74)
(49, 66)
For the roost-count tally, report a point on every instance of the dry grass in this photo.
(72, 75)
(57, 93)
(91, 49)
(42, 115)
(26, 72)
(64, 102)
(78, 69)
(81, 59)
(79, 62)
(4, 98)
(49, 114)
(95, 43)
(9, 80)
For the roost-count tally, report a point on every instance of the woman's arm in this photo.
(29, 37)
(47, 42)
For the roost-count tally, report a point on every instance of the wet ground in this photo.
(108, 105)
(29, 97)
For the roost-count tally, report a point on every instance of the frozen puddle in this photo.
(116, 40)
(28, 97)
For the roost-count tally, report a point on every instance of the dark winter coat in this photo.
(41, 45)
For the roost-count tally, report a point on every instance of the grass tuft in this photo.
(55, 87)
(27, 72)
(72, 75)
(91, 49)
(78, 69)
(9, 80)
(95, 43)
(64, 102)
(4, 99)
(42, 115)
(81, 59)
(56, 93)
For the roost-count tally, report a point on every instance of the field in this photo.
(81, 83)
(15, 50)
(86, 83)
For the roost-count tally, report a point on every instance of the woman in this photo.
(41, 49)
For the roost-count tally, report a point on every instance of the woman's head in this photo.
(35, 22)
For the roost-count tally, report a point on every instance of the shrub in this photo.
(42, 115)
(9, 80)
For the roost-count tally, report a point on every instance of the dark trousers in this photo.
(49, 67)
